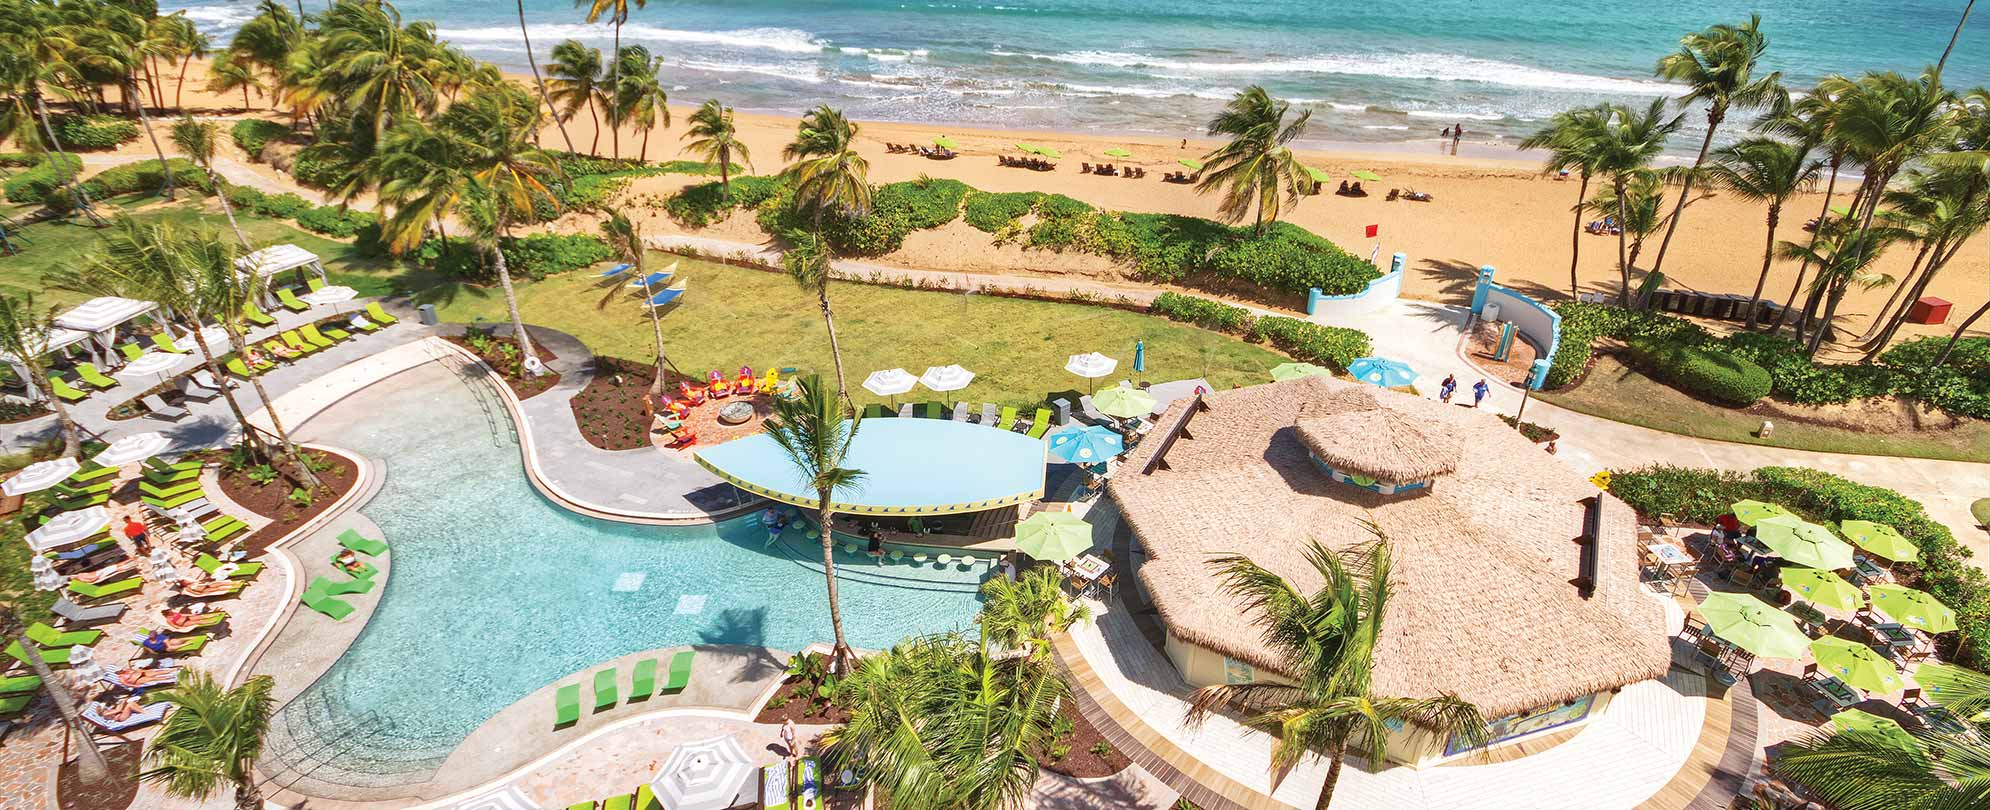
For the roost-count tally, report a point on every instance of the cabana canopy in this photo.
(911, 467)
(277, 258)
(103, 314)
(58, 339)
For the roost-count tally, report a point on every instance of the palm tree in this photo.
(1025, 611)
(1256, 166)
(1571, 138)
(24, 332)
(1639, 211)
(813, 432)
(1843, 258)
(1626, 144)
(1327, 641)
(196, 139)
(213, 739)
(381, 70)
(1769, 171)
(626, 239)
(1810, 119)
(1872, 770)
(1943, 62)
(829, 177)
(222, 294)
(639, 97)
(540, 81)
(1718, 66)
(576, 71)
(618, 13)
(1939, 209)
(717, 142)
(89, 758)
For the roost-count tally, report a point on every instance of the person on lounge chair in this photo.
(133, 678)
(107, 573)
(212, 587)
(349, 562)
(120, 709)
(179, 620)
(158, 643)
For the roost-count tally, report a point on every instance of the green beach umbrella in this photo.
(1118, 153)
(1752, 512)
(1912, 608)
(945, 142)
(1369, 176)
(1317, 175)
(1049, 153)
(1123, 401)
(1293, 371)
(1842, 210)
(1053, 536)
(1753, 625)
(1856, 664)
(1823, 588)
(1880, 539)
(1804, 543)
(1027, 147)
(1964, 691)
(1859, 722)
(1193, 164)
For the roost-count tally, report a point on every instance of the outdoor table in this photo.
(1864, 570)
(1085, 569)
(1838, 692)
(1940, 719)
(1893, 635)
(1810, 617)
(1752, 548)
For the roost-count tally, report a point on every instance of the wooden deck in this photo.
(1722, 758)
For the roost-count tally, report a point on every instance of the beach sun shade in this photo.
(1368, 176)
(1028, 147)
(1293, 371)
(1804, 543)
(1086, 444)
(945, 142)
(703, 775)
(1842, 210)
(1753, 625)
(69, 527)
(1822, 588)
(1193, 164)
(1090, 366)
(1382, 371)
(1880, 539)
(911, 467)
(946, 378)
(1053, 536)
(335, 294)
(1912, 608)
(1883, 728)
(1123, 401)
(135, 447)
(890, 382)
(41, 475)
(1964, 691)
(1050, 153)
(1856, 664)
(149, 363)
(1753, 512)
(1118, 153)
(1139, 356)
(617, 270)
(1317, 175)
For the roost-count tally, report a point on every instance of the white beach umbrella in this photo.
(330, 295)
(83, 664)
(150, 363)
(49, 580)
(703, 775)
(890, 382)
(946, 378)
(68, 527)
(1091, 365)
(41, 475)
(165, 574)
(135, 447)
(160, 556)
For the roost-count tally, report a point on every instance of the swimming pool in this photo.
(496, 591)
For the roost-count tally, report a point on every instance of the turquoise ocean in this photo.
(1374, 71)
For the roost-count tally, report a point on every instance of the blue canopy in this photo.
(1382, 371)
(1086, 444)
(666, 296)
(616, 270)
(651, 280)
(911, 467)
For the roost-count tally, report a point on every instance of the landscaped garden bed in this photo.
(1079, 750)
(609, 409)
(501, 354)
(269, 490)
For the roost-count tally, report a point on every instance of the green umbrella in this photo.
(1193, 164)
(1317, 175)
(1123, 401)
(1804, 543)
(1368, 176)
(1823, 588)
(1293, 371)
(1964, 691)
(1751, 512)
(1916, 609)
(1753, 625)
(1028, 147)
(1118, 153)
(1049, 153)
(1856, 664)
(1880, 539)
(1842, 210)
(1885, 728)
(1053, 536)
(945, 142)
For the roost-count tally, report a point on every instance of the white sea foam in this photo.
(785, 40)
(1390, 127)
(791, 73)
(1165, 91)
(226, 17)
(1449, 115)
(1426, 66)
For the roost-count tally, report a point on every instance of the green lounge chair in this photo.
(84, 502)
(17, 684)
(336, 333)
(935, 410)
(377, 315)
(646, 799)
(289, 300)
(131, 351)
(314, 283)
(68, 490)
(169, 490)
(351, 539)
(14, 704)
(680, 671)
(604, 690)
(88, 373)
(1008, 419)
(319, 601)
(275, 348)
(198, 643)
(158, 478)
(622, 802)
(566, 708)
(236, 367)
(642, 684)
(157, 464)
(364, 325)
(164, 342)
(54, 658)
(181, 499)
(1040, 424)
(317, 338)
(334, 587)
(46, 636)
(207, 562)
(89, 590)
(63, 389)
(297, 341)
(873, 411)
(255, 315)
(586, 805)
(91, 471)
(222, 528)
(366, 569)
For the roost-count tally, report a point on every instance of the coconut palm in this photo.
(813, 431)
(229, 72)
(1769, 171)
(1626, 144)
(1571, 138)
(1025, 611)
(1810, 118)
(576, 71)
(829, 177)
(381, 70)
(717, 142)
(183, 40)
(1843, 258)
(1639, 211)
(1943, 62)
(1871, 770)
(1327, 641)
(1718, 67)
(1256, 167)
(540, 81)
(213, 739)
(618, 13)
(640, 98)
(24, 331)
(196, 140)
(89, 758)
(1940, 209)
(625, 237)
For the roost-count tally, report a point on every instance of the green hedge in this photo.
(45, 176)
(320, 173)
(531, 257)
(18, 160)
(94, 131)
(1700, 496)
(143, 176)
(1331, 346)
(702, 204)
(331, 220)
(1213, 315)
(991, 211)
(1716, 375)
(252, 134)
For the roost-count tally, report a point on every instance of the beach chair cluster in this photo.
(89, 380)
(172, 491)
(322, 595)
(643, 799)
(292, 345)
(1113, 170)
(929, 152)
(672, 412)
(991, 415)
(642, 686)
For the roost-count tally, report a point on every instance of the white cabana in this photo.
(101, 317)
(59, 339)
(278, 258)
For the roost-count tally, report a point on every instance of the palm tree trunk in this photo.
(245, 98)
(1837, 294)
(644, 155)
(539, 81)
(725, 174)
(1768, 257)
(614, 87)
(227, 208)
(1952, 37)
(249, 437)
(835, 350)
(72, 434)
(656, 326)
(1823, 210)
(164, 167)
(89, 759)
(290, 451)
(1714, 116)
(1575, 238)
(180, 87)
(510, 298)
(246, 795)
(1935, 264)
(70, 177)
(1882, 320)
(1623, 254)
(839, 655)
(595, 147)
(1957, 337)
(1326, 799)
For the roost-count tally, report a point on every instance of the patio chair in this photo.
(335, 609)
(197, 392)
(378, 315)
(205, 379)
(88, 373)
(45, 636)
(351, 539)
(1008, 418)
(255, 315)
(680, 671)
(131, 351)
(605, 696)
(1040, 424)
(297, 341)
(19, 684)
(333, 587)
(159, 408)
(988, 410)
(960, 412)
(314, 283)
(80, 616)
(566, 707)
(316, 338)
(289, 300)
(63, 389)
(164, 342)
(642, 682)
(144, 716)
(935, 410)
(905, 411)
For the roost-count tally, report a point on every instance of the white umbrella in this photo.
(946, 378)
(49, 580)
(1091, 366)
(330, 295)
(890, 382)
(150, 363)
(165, 574)
(83, 664)
(41, 475)
(160, 556)
(703, 775)
(135, 447)
(69, 527)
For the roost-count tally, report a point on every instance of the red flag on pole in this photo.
(1373, 229)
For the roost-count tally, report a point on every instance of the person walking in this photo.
(1479, 391)
(1447, 388)
(788, 741)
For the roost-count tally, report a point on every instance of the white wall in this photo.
(1380, 293)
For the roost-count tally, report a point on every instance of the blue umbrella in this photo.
(1140, 356)
(1086, 444)
(1382, 371)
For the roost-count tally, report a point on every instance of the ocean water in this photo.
(1375, 71)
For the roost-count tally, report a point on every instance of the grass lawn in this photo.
(1614, 391)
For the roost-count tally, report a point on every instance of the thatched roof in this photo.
(1350, 430)
(1482, 607)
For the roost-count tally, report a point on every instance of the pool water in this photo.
(496, 592)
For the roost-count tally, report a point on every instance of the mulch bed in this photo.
(273, 501)
(793, 698)
(1081, 762)
(609, 409)
(114, 793)
(524, 386)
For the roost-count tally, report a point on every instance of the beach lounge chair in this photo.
(189, 647)
(207, 562)
(873, 411)
(205, 379)
(1040, 424)
(622, 802)
(18, 684)
(988, 411)
(566, 708)
(80, 616)
(58, 657)
(934, 411)
(905, 411)
(365, 570)
(11, 706)
(289, 300)
(774, 786)
(334, 587)
(89, 590)
(197, 392)
(157, 465)
(680, 671)
(69, 490)
(1008, 418)
(131, 351)
(323, 338)
(255, 315)
(236, 367)
(313, 283)
(605, 696)
(63, 389)
(144, 716)
(70, 504)
(88, 373)
(1091, 414)
(168, 489)
(351, 539)
(336, 609)
(360, 323)
(164, 342)
(642, 682)
(808, 787)
(646, 799)
(770, 381)
(667, 297)
(378, 315)
(223, 527)
(160, 408)
(297, 342)
(181, 499)
(200, 622)
(961, 412)
(46, 636)
(91, 471)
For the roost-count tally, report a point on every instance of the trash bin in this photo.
(427, 314)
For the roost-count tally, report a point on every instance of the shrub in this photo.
(1164, 247)
(1310, 342)
(1290, 259)
(16, 160)
(1980, 510)
(928, 202)
(1214, 315)
(319, 172)
(245, 198)
(697, 206)
(283, 206)
(331, 220)
(94, 131)
(144, 176)
(991, 212)
(252, 134)
(1708, 372)
(541, 255)
(35, 184)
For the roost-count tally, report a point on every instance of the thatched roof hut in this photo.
(1484, 606)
